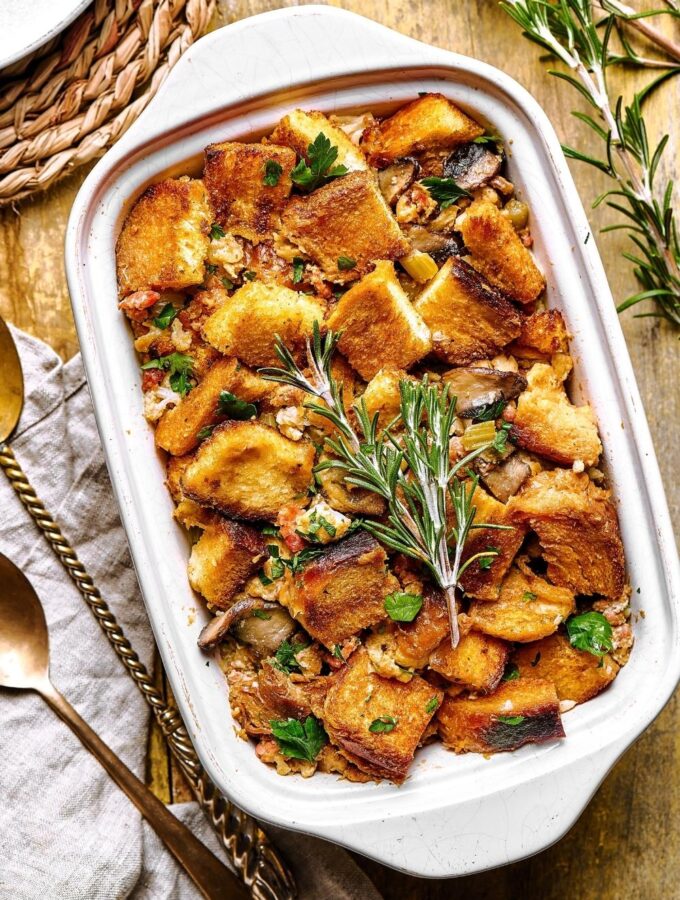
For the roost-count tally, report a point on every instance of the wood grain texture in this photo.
(626, 844)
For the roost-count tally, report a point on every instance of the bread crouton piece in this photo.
(415, 641)
(430, 123)
(398, 712)
(543, 334)
(523, 711)
(481, 580)
(187, 512)
(528, 608)
(223, 558)
(244, 201)
(179, 428)
(164, 240)
(499, 254)
(578, 530)
(346, 220)
(300, 128)
(245, 325)
(547, 423)
(383, 396)
(346, 497)
(341, 591)
(379, 325)
(576, 674)
(477, 663)
(468, 319)
(248, 470)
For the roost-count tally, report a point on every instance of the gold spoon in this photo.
(24, 662)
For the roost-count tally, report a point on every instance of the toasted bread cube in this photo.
(244, 203)
(178, 430)
(468, 319)
(528, 608)
(341, 592)
(547, 423)
(543, 334)
(499, 254)
(379, 325)
(429, 123)
(519, 712)
(346, 218)
(347, 497)
(477, 663)
(578, 531)
(223, 558)
(187, 512)
(300, 128)
(358, 698)
(478, 581)
(383, 396)
(415, 641)
(248, 470)
(576, 674)
(246, 324)
(164, 240)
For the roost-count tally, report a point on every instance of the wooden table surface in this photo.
(626, 844)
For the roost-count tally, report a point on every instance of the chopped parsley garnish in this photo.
(232, 407)
(316, 523)
(272, 173)
(529, 597)
(166, 316)
(510, 720)
(590, 632)
(227, 283)
(261, 614)
(179, 365)
(345, 263)
(299, 740)
(403, 607)
(488, 139)
(337, 652)
(210, 268)
(298, 560)
(285, 658)
(249, 275)
(431, 704)
(500, 442)
(383, 725)
(322, 155)
(491, 411)
(511, 673)
(298, 268)
(485, 562)
(216, 232)
(205, 432)
(444, 190)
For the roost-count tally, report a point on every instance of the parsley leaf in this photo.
(488, 139)
(261, 614)
(298, 268)
(320, 170)
(510, 720)
(249, 275)
(529, 597)
(403, 607)
(272, 173)
(444, 190)
(337, 652)
(486, 562)
(285, 658)
(431, 704)
(230, 406)
(345, 263)
(299, 740)
(590, 632)
(500, 442)
(491, 411)
(205, 432)
(511, 673)
(300, 559)
(166, 316)
(383, 725)
(179, 365)
(216, 232)
(210, 268)
(227, 283)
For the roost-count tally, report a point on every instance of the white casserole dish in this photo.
(454, 815)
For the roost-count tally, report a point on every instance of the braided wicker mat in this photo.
(69, 101)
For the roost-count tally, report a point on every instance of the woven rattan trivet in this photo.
(68, 102)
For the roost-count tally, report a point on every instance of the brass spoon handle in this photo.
(211, 877)
(255, 858)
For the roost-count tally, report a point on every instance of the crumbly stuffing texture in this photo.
(336, 649)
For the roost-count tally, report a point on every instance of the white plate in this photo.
(454, 814)
(26, 25)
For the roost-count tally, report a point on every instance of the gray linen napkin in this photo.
(66, 831)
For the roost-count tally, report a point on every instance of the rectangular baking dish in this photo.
(454, 815)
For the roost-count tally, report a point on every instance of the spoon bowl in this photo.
(24, 646)
(11, 383)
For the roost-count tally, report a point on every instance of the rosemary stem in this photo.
(652, 34)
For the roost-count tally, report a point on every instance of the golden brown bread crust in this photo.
(358, 697)
(528, 608)
(477, 663)
(415, 641)
(223, 558)
(378, 324)
(576, 674)
(543, 334)
(499, 254)
(547, 423)
(345, 497)
(248, 470)
(301, 127)
(578, 531)
(519, 712)
(383, 396)
(234, 176)
(164, 240)
(342, 591)
(347, 217)
(468, 319)
(429, 123)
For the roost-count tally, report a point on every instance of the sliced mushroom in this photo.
(439, 246)
(506, 479)
(477, 389)
(395, 179)
(263, 634)
(472, 165)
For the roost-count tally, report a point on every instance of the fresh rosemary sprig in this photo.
(568, 30)
(413, 474)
